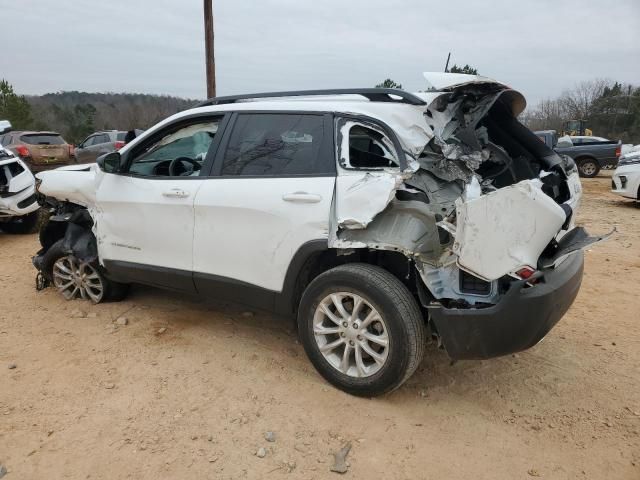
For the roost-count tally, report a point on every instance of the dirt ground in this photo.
(92, 399)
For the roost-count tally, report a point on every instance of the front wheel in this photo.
(588, 167)
(362, 329)
(77, 279)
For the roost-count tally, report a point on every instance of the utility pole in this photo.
(208, 49)
(446, 67)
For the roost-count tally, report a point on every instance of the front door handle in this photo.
(175, 193)
(302, 197)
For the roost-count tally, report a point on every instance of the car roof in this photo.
(401, 117)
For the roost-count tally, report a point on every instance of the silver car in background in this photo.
(98, 144)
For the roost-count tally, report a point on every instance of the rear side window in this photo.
(41, 139)
(364, 147)
(121, 136)
(277, 144)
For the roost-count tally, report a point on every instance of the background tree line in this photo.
(75, 115)
(611, 109)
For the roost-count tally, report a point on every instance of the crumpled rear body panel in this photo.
(504, 230)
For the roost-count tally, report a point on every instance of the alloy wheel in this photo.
(76, 279)
(351, 334)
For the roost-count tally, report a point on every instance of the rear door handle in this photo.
(302, 197)
(175, 193)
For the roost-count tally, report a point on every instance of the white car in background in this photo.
(18, 205)
(626, 178)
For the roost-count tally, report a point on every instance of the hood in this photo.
(72, 183)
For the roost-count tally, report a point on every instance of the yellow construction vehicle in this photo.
(576, 127)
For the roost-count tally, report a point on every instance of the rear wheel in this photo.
(362, 329)
(22, 225)
(588, 167)
(74, 278)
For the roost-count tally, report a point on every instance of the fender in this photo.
(75, 228)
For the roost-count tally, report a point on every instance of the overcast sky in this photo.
(156, 46)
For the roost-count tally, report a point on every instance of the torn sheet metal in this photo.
(505, 230)
(361, 196)
(574, 240)
(408, 227)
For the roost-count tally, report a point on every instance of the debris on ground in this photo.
(340, 460)
(261, 453)
(270, 437)
(3, 471)
(109, 386)
(533, 472)
(122, 321)
(247, 314)
(77, 313)
(12, 366)
(161, 330)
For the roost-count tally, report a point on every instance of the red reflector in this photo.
(525, 272)
(22, 151)
(618, 151)
(119, 144)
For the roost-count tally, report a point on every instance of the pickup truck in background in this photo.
(590, 157)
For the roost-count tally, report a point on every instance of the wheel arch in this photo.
(316, 257)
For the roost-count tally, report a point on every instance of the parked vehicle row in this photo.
(45, 150)
(18, 205)
(375, 217)
(591, 154)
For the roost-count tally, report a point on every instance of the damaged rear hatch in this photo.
(484, 210)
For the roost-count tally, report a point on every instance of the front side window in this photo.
(180, 152)
(276, 144)
(102, 138)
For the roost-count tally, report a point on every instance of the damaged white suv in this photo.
(375, 216)
(18, 205)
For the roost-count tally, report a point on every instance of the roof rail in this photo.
(373, 94)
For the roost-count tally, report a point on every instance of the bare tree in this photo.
(579, 101)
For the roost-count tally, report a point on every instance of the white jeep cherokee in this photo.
(18, 205)
(374, 216)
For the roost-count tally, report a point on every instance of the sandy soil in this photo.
(91, 399)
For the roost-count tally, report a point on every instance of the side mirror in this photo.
(110, 162)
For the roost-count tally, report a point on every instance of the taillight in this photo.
(618, 151)
(525, 272)
(119, 144)
(72, 150)
(22, 151)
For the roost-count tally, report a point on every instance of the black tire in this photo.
(22, 225)
(401, 314)
(113, 291)
(588, 167)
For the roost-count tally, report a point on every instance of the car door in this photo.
(145, 213)
(101, 145)
(82, 151)
(270, 194)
